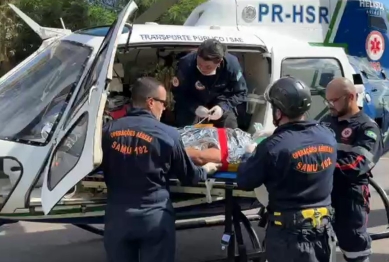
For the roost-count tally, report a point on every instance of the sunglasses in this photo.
(164, 102)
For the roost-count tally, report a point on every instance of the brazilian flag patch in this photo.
(371, 134)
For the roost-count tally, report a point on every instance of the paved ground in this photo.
(31, 242)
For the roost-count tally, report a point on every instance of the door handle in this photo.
(90, 93)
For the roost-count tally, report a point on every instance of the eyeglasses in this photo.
(164, 102)
(332, 101)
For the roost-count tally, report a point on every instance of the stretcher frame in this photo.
(232, 236)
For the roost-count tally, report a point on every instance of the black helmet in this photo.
(290, 95)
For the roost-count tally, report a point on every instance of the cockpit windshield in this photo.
(33, 97)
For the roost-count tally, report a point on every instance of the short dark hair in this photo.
(144, 88)
(212, 50)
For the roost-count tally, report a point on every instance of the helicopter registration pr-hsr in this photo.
(293, 13)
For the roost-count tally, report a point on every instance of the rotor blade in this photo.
(43, 32)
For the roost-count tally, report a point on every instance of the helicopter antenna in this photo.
(43, 32)
(62, 23)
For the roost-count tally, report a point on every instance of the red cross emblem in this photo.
(375, 45)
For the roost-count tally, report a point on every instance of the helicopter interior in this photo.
(161, 64)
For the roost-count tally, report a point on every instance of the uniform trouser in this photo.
(300, 245)
(186, 118)
(350, 225)
(141, 238)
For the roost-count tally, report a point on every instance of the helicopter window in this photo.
(86, 85)
(377, 22)
(34, 97)
(317, 73)
(68, 152)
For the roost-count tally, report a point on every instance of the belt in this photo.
(316, 217)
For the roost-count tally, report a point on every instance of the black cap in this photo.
(290, 95)
(212, 50)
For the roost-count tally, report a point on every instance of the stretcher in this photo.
(232, 236)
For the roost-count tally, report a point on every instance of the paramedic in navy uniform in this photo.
(296, 165)
(208, 82)
(359, 149)
(140, 154)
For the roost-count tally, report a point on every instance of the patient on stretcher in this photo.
(216, 145)
(220, 145)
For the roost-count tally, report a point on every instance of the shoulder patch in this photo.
(371, 134)
(175, 82)
(239, 75)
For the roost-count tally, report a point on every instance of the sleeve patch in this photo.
(175, 82)
(371, 134)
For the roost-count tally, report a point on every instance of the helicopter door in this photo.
(314, 65)
(78, 151)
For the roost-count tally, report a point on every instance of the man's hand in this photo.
(250, 148)
(262, 133)
(202, 112)
(216, 113)
(211, 168)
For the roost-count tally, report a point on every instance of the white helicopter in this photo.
(54, 103)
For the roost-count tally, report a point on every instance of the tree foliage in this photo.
(17, 40)
(176, 14)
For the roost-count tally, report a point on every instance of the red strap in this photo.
(352, 165)
(223, 147)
